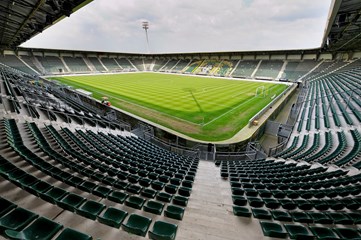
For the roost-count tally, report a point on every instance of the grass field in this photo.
(209, 109)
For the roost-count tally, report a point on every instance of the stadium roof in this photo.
(343, 32)
(20, 20)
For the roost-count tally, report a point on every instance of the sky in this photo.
(183, 26)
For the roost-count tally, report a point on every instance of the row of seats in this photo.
(20, 223)
(80, 205)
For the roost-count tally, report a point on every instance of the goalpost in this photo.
(262, 91)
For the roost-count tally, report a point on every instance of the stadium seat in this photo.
(323, 233)
(137, 224)
(298, 232)
(90, 209)
(180, 200)
(117, 196)
(281, 216)
(153, 207)
(69, 233)
(163, 231)
(16, 219)
(5, 206)
(174, 212)
(261, 213)
(112, 217)
(41, 228)
(301, 217)
(148, 193)
(164, 197)
(53, 195)
(271, 229)
(347, 233)
(71, 202)
(241, 211)
(135, 202)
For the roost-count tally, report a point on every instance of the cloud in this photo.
(189, 26)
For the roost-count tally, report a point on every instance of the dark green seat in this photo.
(170, 188)
(26, 181)
(340, 218)
(281, 216)
(112, 217)
(271, 203)
(241, 211)
(135, 202)
(5, 206)
(303, 204)
(164, 197)
(134, 189)
(39, 188)
(288, 204)
(255, 202)
(90, 209)
(76, 181)
(157, 185)
(271, 229)
(121, 185)
(117, 196)
(261, 213)
(163, 231)
(184, 191)
(324, 233)
(239, 200)
(87, 186)
(347, 233)
(69, 233)
(153, 207)
(41, 228)
(148, 193)
(319, 217)
(71, 201)
(301, 217)
(137, 224)
(298, 232)
(17, 219)
(187, 183)
(180, 200)
(53, 195)
(174, 212)
(101, 191)
(355, 216)
(145, 182)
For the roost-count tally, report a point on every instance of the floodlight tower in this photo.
(145, 25)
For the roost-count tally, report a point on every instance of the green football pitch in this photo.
(210, 109)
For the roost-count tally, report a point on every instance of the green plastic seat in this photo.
(135, 202)
(163, 231)
(41, 228)
(170, 188)
(271, 203)
(174, 212)
(347, 233)
(101, 191)
(241, 211)
(148, 193)
(117, 196)
(301, 217)
(164, 197)
(153, 207)
(281, 216)
(239, 200)
(6, 206)
(145, 182)
(39, 188)
(157, 185)
(112, 217)
(71, 201)
(298, 232)
(137, 224)
(69, 233)
(90, 209)
(271, 229)
(184, 191)
(53, 195)
(87, 186)
(261, 213)
(355, 216)
(26, 181)
(17, 219)
(76, 181)
(340, 218)
(121, 185)
(255, 202)
(134, 189)
(323, 233)
(180, 200)
(319, 217)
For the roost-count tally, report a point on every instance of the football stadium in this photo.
(253, 144)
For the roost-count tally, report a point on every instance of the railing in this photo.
(247, 155)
